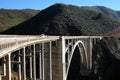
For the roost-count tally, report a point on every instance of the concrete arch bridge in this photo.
(45, 57)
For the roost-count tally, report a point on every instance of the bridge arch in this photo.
(82, 58)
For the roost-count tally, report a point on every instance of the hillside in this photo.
(106, 59)
(115, 32)
(61, 19)
(9, 18)
(107, 11)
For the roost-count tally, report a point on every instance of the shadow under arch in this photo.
(78, 62)
(74, 68)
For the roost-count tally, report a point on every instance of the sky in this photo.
(42, 4)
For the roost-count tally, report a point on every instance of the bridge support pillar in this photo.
(34, 63)
(23, 64)
(45, 59)
(31, 69)
(58, 60)
(19, 66)
(8, 67)
(4, 66)
(89, 53)
(50, 61)
(40, 65)
(43, 62)
(63, 57)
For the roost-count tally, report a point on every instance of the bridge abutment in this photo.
(57, 61)
(89, 54)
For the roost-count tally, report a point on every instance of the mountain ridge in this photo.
(62, 19)
(12, 17)
(105, 10)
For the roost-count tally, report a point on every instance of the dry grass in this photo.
(115, 32)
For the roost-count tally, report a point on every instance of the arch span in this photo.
(83, 58)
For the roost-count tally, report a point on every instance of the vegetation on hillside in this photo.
(104, 10)
(60, 19)
(106, 59)
(9, 18)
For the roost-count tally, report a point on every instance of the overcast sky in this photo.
(42, 4)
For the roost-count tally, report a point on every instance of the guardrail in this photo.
(8, 43)
(10, 46)
(19, 39)
(16, 41)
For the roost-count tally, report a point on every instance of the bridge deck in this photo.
(10, 42)
(7, 41)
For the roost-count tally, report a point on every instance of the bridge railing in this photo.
(15, 40)
(9, 42)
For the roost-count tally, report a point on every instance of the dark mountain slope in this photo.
(9, 18)
(106, 59)
(60, 19)
(107, 11)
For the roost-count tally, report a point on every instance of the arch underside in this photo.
(74, 68)
(76, 61)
